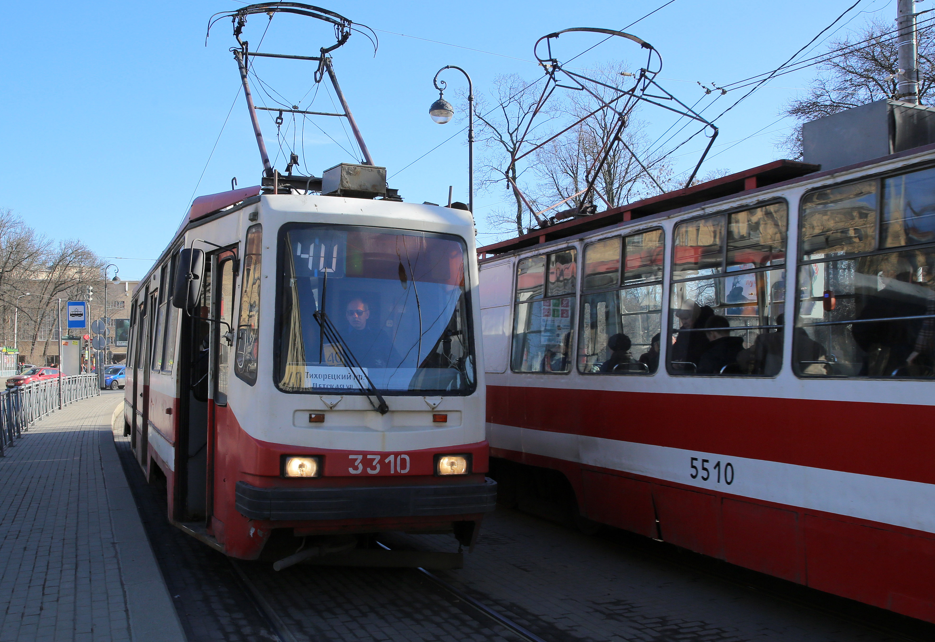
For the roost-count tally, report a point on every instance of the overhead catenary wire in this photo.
(518, 94)
(224, 125)
(861, 45)
(768, 77)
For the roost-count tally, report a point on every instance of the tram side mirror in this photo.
(189, 276)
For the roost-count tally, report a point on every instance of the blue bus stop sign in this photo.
(77, 312)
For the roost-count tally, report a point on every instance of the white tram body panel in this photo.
(356, 427)
(813, 471)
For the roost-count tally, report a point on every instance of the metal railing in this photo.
(22, 406)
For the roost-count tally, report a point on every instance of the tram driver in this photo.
(369, 344)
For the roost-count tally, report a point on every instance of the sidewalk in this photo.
(75, 563)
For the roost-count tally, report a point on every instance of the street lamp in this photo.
(441, 112)
(16, 324)
(116, 279)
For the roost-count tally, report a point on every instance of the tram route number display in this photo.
(712, 471)
(379, 464)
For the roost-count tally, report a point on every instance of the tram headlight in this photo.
(452, 465)
(300, 467)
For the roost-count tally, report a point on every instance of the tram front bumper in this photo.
(301, 504)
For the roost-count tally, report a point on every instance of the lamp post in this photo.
(16, 325)
(116, 279)
(441, 112)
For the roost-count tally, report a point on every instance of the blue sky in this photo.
(116, 114)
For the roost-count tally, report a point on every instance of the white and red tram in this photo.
(800, 449)
(302, 367)
(267, 412)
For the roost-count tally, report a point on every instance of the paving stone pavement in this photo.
(75, 563)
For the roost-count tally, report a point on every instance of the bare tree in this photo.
(69, 267)
(500, 132)
(861, 68)
(34, 273)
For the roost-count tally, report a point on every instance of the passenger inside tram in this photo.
(650, 358)
(722, 349)
(889, 343)
(620, 360)
(691, 340)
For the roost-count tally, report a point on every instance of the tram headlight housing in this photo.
(293, 466)
(452, 464)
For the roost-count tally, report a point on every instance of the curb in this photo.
(150, 608)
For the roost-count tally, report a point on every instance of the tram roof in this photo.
(725, 186)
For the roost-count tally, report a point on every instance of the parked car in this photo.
(115, 377)
(32, 376)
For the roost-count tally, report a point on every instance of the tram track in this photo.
(277, 627)
(481, 608)
(483, 613)
(878, 620)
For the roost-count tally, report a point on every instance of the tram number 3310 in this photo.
(397, 464)
(712, 472)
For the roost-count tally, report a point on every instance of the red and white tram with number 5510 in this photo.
(744, 368)
(303, 366)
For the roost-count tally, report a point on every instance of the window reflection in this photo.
(729, 324)
(699, 248)
(542, 331)
(756, 237)
(839, 221)
(909, 209)
(620, 328)
(602, 264)
(872, 315)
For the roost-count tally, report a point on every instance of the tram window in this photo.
(562, 273)
(642, 261)
(131, 347)
(396, 307)
(748, 298)
(619, 331)
(909, 209)
(248, 325)
(873, 315)
(542, 332)
(602, 264)
(158, 303)
(171, 312)
(226, 286)
(699, 247)
(756, 237)
(530, 278)
(839, 221)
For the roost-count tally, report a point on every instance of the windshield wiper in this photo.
(350, 361)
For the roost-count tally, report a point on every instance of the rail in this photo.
(21, 407)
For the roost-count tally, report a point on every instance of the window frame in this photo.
(545, 288)
(723, 274)
(620, 286)
(239, 369)
(278, 320)
(879, 180)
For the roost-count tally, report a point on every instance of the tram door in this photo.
(195, 343)
(222, 314)
(140, 441)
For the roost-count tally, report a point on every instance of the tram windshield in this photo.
(397, 300)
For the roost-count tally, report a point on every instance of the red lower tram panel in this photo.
(878, 564)
(357, 493)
